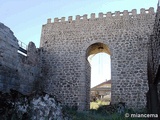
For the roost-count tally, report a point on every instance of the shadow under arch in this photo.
(91, 51)
(96, 48)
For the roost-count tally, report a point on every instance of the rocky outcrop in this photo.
(35, 106)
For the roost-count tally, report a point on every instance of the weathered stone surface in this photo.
(61, 63)
(8, 59)
(154, 49)
(29, 69)
(35, 106)
(17, 71)
(154, 67)
(65, 50)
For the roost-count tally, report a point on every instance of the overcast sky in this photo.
(26, 17)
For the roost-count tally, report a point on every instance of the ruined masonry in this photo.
(61, 65)
(17, 71)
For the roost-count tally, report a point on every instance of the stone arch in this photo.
(97, 48)
(102, 40)
(68, 68)
(93, 49)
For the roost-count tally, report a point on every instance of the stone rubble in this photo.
(46, 108)
(32, 107)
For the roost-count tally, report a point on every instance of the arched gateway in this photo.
(66, 44)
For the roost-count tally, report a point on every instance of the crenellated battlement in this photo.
(101, 15)
(68, 42)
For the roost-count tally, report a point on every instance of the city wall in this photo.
(67, 70)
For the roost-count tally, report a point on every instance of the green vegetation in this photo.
(100, 111)
(96, 115)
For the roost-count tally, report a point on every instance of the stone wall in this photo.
(64, 56)
(8, 59)
(154, 67)
(29, 69)
(61, 63)
(154, 48)
(17, 71)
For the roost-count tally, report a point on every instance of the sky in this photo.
(100, 68)
(26, 17)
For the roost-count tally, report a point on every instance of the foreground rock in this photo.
(36, 106)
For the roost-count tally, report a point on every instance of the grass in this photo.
(94, 115)
(98, 112)
(97, 104)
